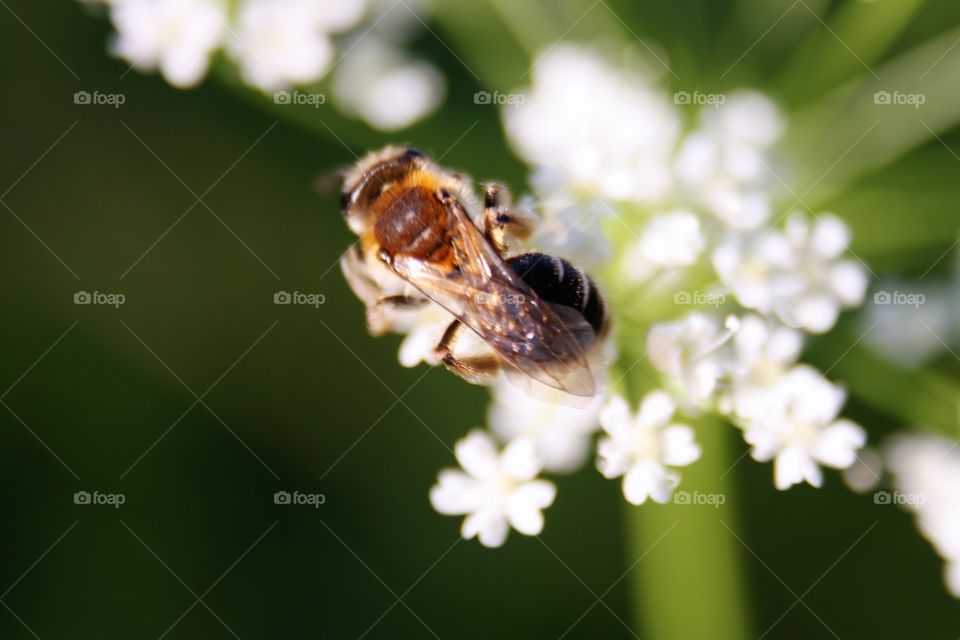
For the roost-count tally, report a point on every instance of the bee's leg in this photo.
(499, 220)
(476, 369)
(380, 318)
(402, 303)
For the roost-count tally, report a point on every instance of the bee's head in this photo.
(372, 175)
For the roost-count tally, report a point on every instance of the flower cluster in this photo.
(749, 374)
(280, 44)
(926, 476)
(680, 229)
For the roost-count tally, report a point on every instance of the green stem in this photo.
(690, 581)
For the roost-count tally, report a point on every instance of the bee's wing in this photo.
(545, 342)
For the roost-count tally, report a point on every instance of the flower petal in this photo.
(489, 526)
(793, 466)
(525, 506)
(456, 493)
(830, 236)
(655, 410)
(848, 279)
(613, 460)
(615, 415)
(647, 479)
(519, 459)
(815, 313)
(838, 444)
(418, 347)
(678, 447)
(477, 454)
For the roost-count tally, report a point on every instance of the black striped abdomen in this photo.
(558, 282)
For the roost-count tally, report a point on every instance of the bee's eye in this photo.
(345, 201)
(412, 153)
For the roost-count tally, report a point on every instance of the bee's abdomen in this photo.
(413, 222)
(558, 282)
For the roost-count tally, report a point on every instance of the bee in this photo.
(424, 237)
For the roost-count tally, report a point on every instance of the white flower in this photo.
(687, 351)
(495, 490)
(794, 424)
(561, 433)
(671, 240)
(748, 117)
(763, 349)
(723, 164)
(641, 447)
(377, 82)
(423, 328)
(926, 473)
(602, 129)
(762, 352)
(176, 36)
(796, 273)
(279, 43)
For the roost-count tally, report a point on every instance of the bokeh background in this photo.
(199, 398)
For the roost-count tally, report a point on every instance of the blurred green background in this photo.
(104, 399)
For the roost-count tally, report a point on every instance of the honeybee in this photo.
(424, 237)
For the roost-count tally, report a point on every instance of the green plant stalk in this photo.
(689, 579)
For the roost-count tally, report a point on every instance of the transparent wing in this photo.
(546, 342)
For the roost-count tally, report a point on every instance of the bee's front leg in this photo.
(402, 303)
(476, 369)
(501, 222)
(381, 313)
